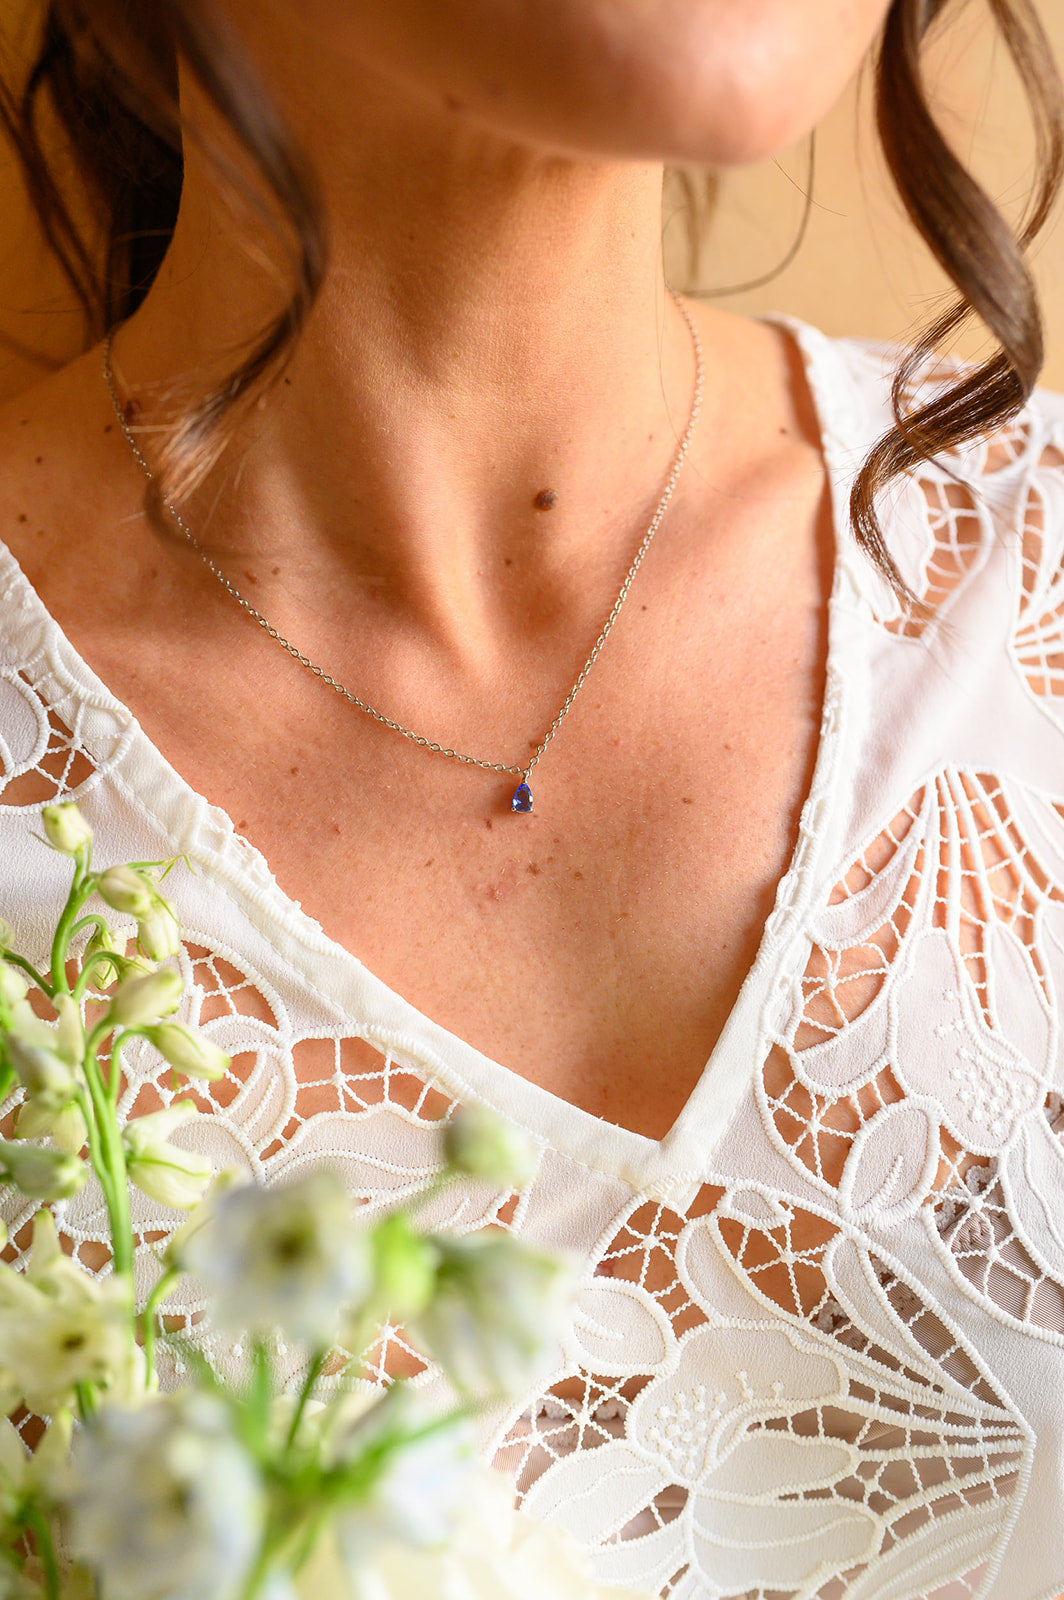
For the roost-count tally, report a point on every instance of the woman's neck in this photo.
(493, 325)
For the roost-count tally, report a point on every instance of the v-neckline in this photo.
(195, 826)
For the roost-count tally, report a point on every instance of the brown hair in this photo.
(107, 72)
(116, 103)
(972, 242)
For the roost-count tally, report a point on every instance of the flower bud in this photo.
(44, 1075)
(159, 1169)
(188, 1051)
(404, 1267)
(13, 986)
(66, 1127)
(157, 933)
(104, 938)
(127, 890)
(7, 935)
(481, 1145)
(104, 942)
(70, 1034)
(145, 998)
(66, 829)
(41, 1173)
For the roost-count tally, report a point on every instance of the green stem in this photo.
(109, 1162)
(114, 1072)
(37, 1523)
(88, 1111)
(263, 1562)
(31, 971)
(96, 1037)
(80, 890)
(81, 982)
(289, 1533)
(439, 1182)
(146, 1319)
(86, 1396)
(314, 1372)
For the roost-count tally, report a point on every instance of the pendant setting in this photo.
(522, 798)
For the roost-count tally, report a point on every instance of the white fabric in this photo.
(820, 1348)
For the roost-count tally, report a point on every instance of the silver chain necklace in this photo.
(521, 799)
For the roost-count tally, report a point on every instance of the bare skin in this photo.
(494, 326)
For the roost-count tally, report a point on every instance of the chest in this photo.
(596, 946)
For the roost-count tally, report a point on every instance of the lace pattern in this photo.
(819, 1343)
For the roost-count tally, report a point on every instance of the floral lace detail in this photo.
(819, 1341)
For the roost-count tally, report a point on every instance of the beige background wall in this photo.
(860, 269)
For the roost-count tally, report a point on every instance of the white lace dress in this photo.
(820, 1341)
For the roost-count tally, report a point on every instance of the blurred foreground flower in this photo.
(494, 1553)
(298, 1470)
(498, 1313)
(162, 1500)
(60, 1329)
(480, 1144)
(288, 1258)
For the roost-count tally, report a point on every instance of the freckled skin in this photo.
(493, 323)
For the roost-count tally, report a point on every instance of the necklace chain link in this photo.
(334, 683)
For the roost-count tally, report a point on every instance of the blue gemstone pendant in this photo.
(522, 800)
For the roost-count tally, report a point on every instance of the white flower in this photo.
(49, 1080)
(45, 1059)
(145, 998)
(66, 829)
(189, 1051)
(498, 1313)
(290, 1258)
(23, 1022)
(424, 1487)
(13, 986)
(163, 1502)
(482, 1145)
(159, 1169)
(60, 1327)
(40, 1173)
(127, 890)
(132, 891)
(40, 1050)
(65, 1127)
(495, 1554)
(158, 935)
(70, 1031)
(105, 942)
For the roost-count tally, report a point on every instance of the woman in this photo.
(803, 819)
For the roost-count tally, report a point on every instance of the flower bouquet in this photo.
(236, 1487)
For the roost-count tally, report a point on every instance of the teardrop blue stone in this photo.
(522, 800)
